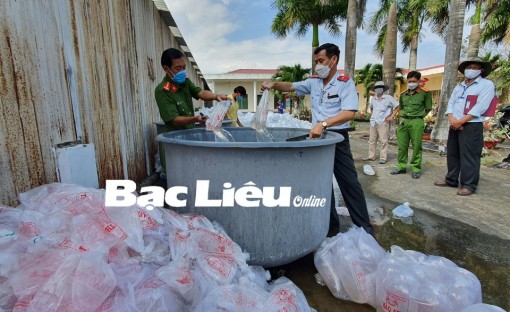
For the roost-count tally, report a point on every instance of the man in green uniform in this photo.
(414, 104)
(174, 95)
(175, 92)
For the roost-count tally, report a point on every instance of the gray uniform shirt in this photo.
(327, 101)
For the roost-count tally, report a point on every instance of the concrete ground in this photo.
(488, 209)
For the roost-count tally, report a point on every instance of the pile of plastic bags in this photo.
(356, 268)
(275, 120)
(62, 250)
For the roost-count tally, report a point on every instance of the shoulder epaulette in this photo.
(424, 89)
(403, 92)
(166, 87)
(343, 78)
(314, 76)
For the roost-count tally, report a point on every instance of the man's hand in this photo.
(267, 85)
(316, 131)
(199, 119)
(220, 97)
(389, 118)
(455, 124)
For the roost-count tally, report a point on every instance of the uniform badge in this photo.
(166, 87)
(343, 78)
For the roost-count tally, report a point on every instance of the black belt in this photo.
(412, 117)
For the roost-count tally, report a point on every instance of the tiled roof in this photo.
(254, 71)
(262, 71)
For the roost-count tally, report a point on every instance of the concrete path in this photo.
(488, 209)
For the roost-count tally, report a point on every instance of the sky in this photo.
(225, 35)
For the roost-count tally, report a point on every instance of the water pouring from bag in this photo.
(215, 120)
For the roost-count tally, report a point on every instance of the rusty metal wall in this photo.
(78, 69)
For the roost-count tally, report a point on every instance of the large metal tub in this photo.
(272, 235)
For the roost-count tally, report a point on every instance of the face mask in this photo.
(472, 73)
(322, 71)
(180, 77)
(379, 91)
(412, 85)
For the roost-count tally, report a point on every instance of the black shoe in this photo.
(397, 171)
(333, 231)
(416, 175)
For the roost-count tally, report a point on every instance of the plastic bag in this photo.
(348, 265)
(404, 213)
(215, 119)
(234, 298)
(178, 275)
(482, 307)
(155, 295)
(286, 296)
(259, 120)
(7, 297)
(410, 281)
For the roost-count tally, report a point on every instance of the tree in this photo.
(390, 49)
(291, 74)
(355, 11)
(497, 22)
(412, 27)
(453, 44)
(301, 14)
(368, 76)
(474, 36)
(434, 12)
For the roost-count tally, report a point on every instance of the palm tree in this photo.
(497, 22)
(412, 27)
(355, 12)
(435, 12)
(301, 14)
(474, 36)
(453, 45)
(368, 76)
(291, 74)
(390, 49)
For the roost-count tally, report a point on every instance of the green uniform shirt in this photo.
(417, 104)
(175, 100)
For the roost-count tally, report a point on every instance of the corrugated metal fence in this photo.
(82, 69)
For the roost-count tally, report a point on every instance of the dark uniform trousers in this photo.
(464, 150)
(352, 193)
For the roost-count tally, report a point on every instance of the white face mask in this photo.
(379, 91)
(322, 70)
(412, 85)
(472, 73)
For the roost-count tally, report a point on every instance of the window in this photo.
(243, 104)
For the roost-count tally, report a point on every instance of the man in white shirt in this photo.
(384, 108)
(468, 102)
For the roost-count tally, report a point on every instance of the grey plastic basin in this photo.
(272, 235)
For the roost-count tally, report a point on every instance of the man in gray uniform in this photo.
(334, 102)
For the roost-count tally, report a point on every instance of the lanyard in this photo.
(465, 89)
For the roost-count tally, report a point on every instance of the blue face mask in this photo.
(180, 77)
(240, 98)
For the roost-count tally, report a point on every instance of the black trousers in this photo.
(352, 193)
(464, 150)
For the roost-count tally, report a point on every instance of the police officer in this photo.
(174, 93)
(414, 104)
(334, 102)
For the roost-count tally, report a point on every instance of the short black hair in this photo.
(240, 89)
(169, 55)
(331, 49)
(414, 74)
